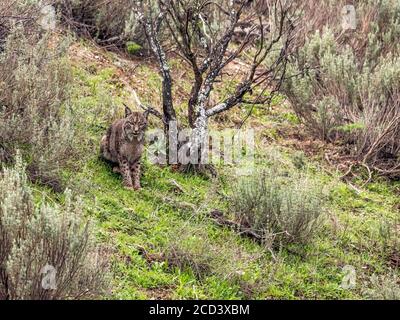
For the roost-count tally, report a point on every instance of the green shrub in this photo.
(133, 48)
(36, 237)
(280, 209)
(349, 79)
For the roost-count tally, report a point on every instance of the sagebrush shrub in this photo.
(383, 287)
(36, 237)
(16, 12)
(280, 209)
(34, 112)
(344, 84)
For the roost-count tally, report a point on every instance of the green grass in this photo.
(167, 222)
(156, 216)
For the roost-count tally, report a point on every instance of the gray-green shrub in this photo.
(16, 12)
(280, 209)
(34, 236)
(347, 86)
(34, 113)
(382, 287)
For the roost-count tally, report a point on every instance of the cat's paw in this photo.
(116, 170)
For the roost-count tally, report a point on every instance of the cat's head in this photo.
(135, 124)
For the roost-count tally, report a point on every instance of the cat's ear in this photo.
(128, 111)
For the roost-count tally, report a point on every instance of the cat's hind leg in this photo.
(104, 150)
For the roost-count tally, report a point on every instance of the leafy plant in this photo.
(133, 47)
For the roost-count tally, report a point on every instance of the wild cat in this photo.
(123, 145)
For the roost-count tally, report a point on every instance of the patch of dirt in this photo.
(162, 293)
(394, 260)
(125, 69)
(130, 76)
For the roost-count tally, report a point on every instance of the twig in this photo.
(176, 184)
(347, 172)
(358, 191)
(369, 175)
(219, 219)
(147, 109)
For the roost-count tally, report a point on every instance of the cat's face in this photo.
(135, 125)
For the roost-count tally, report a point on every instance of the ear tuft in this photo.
(128, 111)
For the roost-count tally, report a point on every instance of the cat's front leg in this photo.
(125, 172)
(116, 169)
(135, 172)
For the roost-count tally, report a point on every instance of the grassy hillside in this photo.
(166, 245)
(318, 217)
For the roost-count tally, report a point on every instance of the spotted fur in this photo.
(123, 145)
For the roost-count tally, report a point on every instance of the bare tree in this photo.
(209, 49)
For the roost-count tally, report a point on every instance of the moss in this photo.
(133, 47)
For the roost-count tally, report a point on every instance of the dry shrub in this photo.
(280, 209)
(192, 250)
(344, 84)
(16, 12)
(34, 113)
(35, 236)
(108, 22)
(387, 241)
